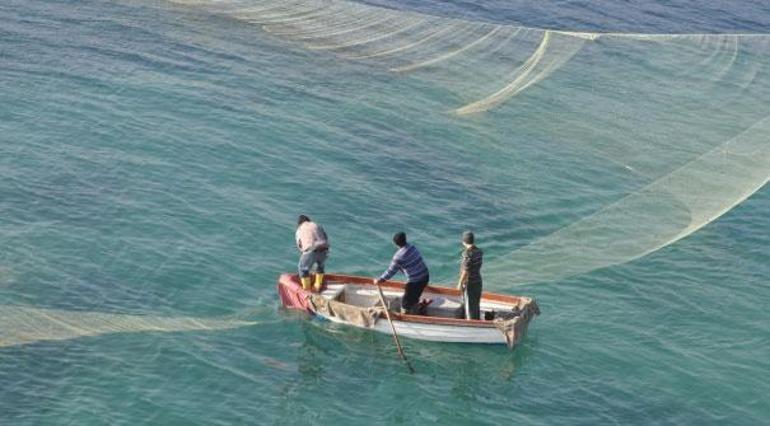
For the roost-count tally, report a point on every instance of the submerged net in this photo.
(683, 119)
(25, 324)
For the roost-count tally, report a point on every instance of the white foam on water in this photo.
(25, 324)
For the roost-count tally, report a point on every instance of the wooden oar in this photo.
(392, 327)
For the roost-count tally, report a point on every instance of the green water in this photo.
(153, 160)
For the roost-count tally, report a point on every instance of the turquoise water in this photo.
(154, 157)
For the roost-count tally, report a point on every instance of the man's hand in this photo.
(460, 286)
(376, 281)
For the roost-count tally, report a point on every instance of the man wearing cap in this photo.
(470, 276)
(313, 245)
(408, 260)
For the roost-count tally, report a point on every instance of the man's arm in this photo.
(323, 234)
(324, 237)
(463, 279)
(464, 264)
(388, 274)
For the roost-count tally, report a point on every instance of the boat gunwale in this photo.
(397, 316)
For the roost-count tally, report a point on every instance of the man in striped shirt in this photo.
(409, 261)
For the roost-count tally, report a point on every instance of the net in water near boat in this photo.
(27, 324)
(682, 118)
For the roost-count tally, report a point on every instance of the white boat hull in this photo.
(432, 332)
(355, 301)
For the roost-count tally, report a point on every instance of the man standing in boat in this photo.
(470, 276)
(313, 245)
(408, 260)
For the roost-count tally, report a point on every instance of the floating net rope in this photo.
(682, 117)
(26, 324)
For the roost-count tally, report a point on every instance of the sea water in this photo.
(154, 157)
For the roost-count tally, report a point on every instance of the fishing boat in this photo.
(355, 301)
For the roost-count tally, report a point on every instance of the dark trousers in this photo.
(473, 300)
(412, 295)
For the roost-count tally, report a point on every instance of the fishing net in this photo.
(27, 324)
(682, 119)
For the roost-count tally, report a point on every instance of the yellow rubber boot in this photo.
(305, 282)
(319, 280)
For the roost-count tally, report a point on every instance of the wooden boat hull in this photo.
(443, 324)
(442, 333)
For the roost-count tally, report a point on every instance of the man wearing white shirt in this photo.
(313, 245)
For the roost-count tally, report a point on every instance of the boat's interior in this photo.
(440, 305)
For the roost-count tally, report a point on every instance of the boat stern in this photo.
(292, 295)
